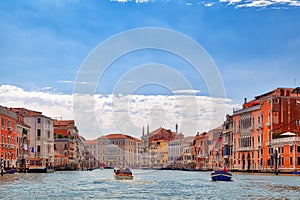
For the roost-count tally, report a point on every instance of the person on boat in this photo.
(225, 169)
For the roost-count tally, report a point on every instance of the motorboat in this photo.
(123, 174)
(223, 175)
(40, 165)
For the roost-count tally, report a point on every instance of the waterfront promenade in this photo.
(147, 184)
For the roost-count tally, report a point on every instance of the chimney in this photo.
(245, 100)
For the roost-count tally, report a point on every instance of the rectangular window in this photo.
(298, 122)
(2, 122)
(38, 149)
(291, 149)
(298, 160)
(39, 132)
(291, 160)
(298, 149)
(39, 120)
(8, 123)
(49, 134)
(54, 146)
(282, 160)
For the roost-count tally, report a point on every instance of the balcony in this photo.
(259, 144)
(286, 140)
(244, 148)
(268, 124)
(258, 126)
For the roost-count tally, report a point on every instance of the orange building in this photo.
(208, 149)
(269, 122)
(8, 138)
(247, 136)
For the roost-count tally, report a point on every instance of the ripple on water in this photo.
(100, 184)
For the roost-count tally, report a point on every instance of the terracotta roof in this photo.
(119, 136)
(273, 92)
(63, 122)
(91, 141)
(28, 113)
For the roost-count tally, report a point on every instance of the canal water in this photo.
(147, 184)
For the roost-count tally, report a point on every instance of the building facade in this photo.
(118, 150)
(41, 134)
(266, 130)
(8, 138)
(68, 145)
(228, 142)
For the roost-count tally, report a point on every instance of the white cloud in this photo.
(193, 92)
(261, 3)
(122, 113)
(236, 3)
(230, 2)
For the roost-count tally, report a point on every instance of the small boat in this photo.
(11, 171)
(295, 172)
(39, 165)
(221, 176)
(123, 174)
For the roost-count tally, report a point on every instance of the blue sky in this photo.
(254, 44)
(43, 43)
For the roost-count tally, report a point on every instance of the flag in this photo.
(32, 150)
(25, 147)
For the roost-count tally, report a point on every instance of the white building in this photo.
(41, 134)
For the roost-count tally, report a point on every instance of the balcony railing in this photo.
(244, 148)
(286, 140)
(258, 126)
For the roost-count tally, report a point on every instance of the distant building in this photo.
(175, 150)
(228, 147)
(150, 139)
(93, 151)
(118, 150)
(188, 152)
(68, 145)
(208, 149)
